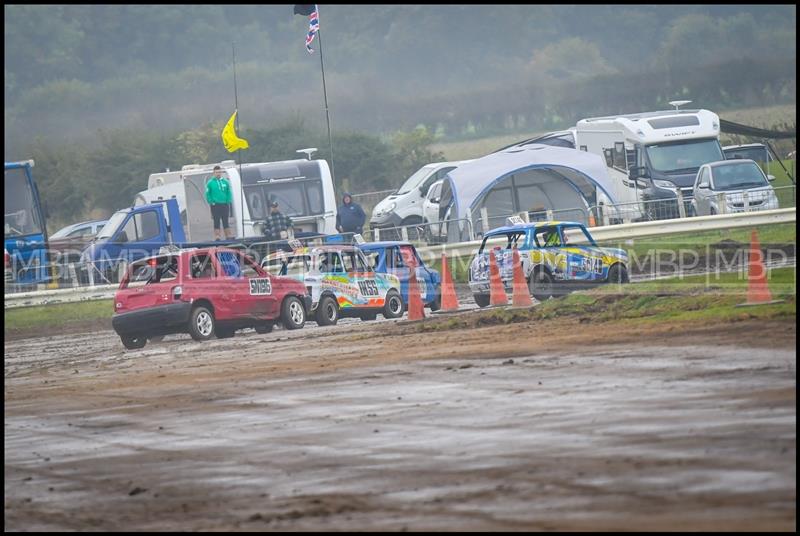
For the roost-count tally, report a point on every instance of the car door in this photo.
(246, 291)
(203, 283)
(411, 259)
(702, 192)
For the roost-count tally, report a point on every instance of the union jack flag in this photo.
(313, 28)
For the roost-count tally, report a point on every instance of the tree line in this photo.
(70, 70)
(79, 181)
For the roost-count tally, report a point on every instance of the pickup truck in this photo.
(143, 231)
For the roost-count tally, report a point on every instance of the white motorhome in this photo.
(303, 189)
(651, 156)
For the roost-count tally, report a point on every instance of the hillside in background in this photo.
(463, 71)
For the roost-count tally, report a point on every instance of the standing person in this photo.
(277, 223)
(219, 197)
(350, 217)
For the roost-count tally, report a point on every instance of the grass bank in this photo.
(690, 299)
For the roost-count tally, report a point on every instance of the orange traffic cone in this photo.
(497, 293)
(449, 298)
(592, 221)
(416, 310)
(757, 289)
(521, 296)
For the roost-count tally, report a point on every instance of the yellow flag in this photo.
(230, 139)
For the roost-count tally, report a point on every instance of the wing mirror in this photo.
(770, 178)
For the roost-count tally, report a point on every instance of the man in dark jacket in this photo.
(277, 224)
(350, 217)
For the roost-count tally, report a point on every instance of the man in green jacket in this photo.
(219, 197)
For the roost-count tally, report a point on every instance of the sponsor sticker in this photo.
(260, 286)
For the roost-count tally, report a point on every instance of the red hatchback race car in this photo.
(204, 292)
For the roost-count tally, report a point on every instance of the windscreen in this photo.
(21, 216)
(113, 222)
(684, 157)
(737, 176)
(415, 180)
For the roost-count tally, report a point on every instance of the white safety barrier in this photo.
(600, 234)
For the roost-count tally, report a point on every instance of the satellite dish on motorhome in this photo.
(677, 103)
(308, 152)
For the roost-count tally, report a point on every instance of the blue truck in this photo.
(142, 231)
(25, 228)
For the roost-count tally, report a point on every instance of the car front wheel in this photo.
(201, 323)
(481, 299)
(293, 314)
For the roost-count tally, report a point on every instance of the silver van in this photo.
(738, 184)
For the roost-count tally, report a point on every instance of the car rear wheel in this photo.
(224, 333)
(327, 312)
(201, 323)
(293, 314)
(540, 285)
(132, 342)
(481, 299)
(265, 327)
(393, 307)
(617, 274)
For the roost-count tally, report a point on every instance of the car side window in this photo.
(230, 264)
(703, 181)
(395, 259)
(407, 254)
(361, 263)
(201, 267)
(248, 266)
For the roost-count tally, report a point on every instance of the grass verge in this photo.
(48, 319)
(690, 299)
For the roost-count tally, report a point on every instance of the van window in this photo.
(147, 225)
(127, 233)
(315, 202)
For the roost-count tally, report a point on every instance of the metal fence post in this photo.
(485, 219)
(376, 232)
(722, 203)
(681, 207)
(549, 214)
(404, 233)
(746, 199)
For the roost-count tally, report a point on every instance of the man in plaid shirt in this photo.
(277, 223)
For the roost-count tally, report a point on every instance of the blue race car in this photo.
(394, 258)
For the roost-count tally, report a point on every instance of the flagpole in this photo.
(325, 94)
(239, 151)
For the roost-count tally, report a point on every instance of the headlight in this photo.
(664, 184)
(390, 207)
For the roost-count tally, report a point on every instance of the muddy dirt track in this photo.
(379, 427)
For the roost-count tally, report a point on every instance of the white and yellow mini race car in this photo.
(550, 264)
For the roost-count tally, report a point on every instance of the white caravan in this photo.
(303, 189)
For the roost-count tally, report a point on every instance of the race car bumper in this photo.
(154, 320)
(483, 286)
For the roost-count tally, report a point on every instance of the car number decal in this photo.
(260, 286)
(368, 287)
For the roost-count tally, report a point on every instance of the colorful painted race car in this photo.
(340, 282)
(205, 292)
(551, 265)
(395, 258)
